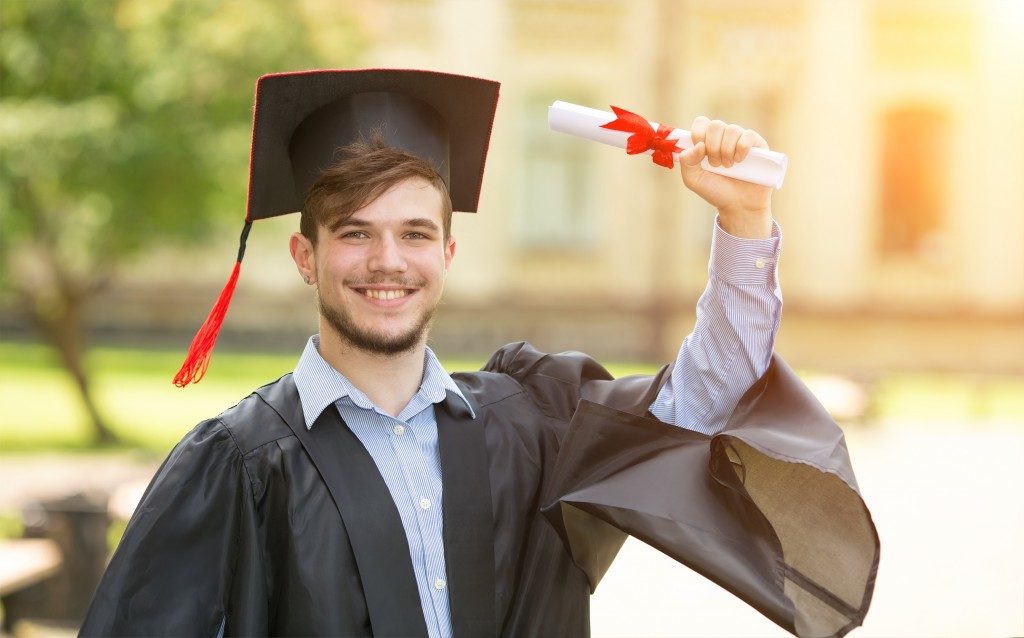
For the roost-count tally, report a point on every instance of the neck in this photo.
(390, 381)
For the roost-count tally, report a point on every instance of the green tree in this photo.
(124, 124)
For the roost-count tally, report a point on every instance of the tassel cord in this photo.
(201, 350)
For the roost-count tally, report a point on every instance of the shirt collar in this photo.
(320, 385)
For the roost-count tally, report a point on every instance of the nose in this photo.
(386, 256)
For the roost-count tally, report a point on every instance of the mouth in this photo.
(385, 296)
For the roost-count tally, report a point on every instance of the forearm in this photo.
(737, 319)
(747, 224)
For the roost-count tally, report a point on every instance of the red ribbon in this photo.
(644, 137)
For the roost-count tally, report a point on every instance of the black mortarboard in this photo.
(302, 118)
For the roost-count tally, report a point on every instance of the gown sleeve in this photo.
(768, 508)
(188, 563)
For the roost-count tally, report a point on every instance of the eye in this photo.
(415, 235)
(354, 234)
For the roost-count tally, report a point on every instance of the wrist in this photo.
(746, 223)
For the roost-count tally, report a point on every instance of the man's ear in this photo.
(449, 253)
(304, 256)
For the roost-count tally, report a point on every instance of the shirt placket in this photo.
(425, 501)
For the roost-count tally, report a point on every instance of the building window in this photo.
(556, 205)
(914, 149)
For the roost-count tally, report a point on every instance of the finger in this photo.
(745, 143)
(713, 141)
(689, 164)
(693, 155)
(750, 139)
(730, 136)
(761, 142)
(700, 124)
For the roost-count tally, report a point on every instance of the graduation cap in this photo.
(300, 121)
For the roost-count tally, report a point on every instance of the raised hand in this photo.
(744, 208)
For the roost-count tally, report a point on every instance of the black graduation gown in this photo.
(278, 530)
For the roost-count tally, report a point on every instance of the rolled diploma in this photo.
(767, 168)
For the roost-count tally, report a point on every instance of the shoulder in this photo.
(557, 382)
(551, 381)
(522, 361)
(259, 418)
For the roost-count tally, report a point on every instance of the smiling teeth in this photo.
(384, 294)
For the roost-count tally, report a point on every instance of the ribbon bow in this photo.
(644, 137)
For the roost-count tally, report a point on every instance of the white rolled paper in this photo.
(767, 168)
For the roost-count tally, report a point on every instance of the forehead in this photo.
(410, 198)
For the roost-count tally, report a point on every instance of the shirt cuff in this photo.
(740, 261)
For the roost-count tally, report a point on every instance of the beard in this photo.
(375, 341)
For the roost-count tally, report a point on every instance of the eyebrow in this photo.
(415, 222)
(422, 222)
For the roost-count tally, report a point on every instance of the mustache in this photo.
(401, 282)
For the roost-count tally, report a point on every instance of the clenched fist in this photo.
(745, 209)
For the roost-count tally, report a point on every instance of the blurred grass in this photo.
(133, 388)
(951, 399)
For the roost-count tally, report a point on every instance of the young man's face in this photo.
(380, 275)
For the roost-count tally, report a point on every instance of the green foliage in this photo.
(126, 122)
(11, 525)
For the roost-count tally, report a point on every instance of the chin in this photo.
(376, 341)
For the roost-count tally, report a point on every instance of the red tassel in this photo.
(201, 350)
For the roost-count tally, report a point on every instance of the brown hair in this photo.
(365, 171)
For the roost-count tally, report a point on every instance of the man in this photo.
(370, 493)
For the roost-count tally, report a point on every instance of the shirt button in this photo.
(399, 430)
(439, 583)
(760, 262)
(425, 504)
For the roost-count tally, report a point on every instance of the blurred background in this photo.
(124, 133)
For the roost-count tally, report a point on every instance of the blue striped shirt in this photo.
(737, 318)
(731, 344)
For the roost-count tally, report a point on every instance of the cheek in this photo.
(426, 262)
(340, 265)
(434, 266)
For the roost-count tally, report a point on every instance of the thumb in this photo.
(690, 159)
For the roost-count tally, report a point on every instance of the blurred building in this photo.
(903, 120)
(903, 208)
